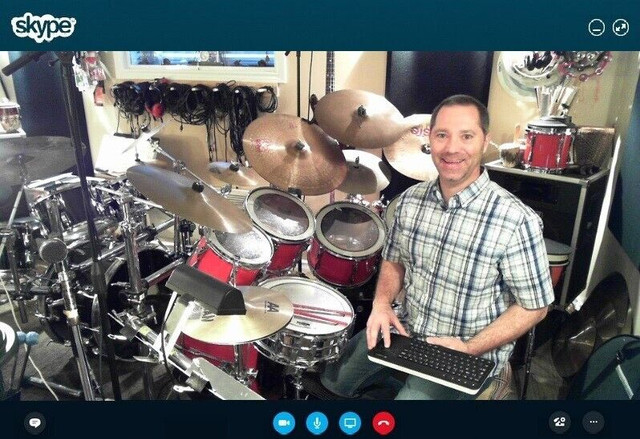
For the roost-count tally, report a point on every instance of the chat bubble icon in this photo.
(35, 422)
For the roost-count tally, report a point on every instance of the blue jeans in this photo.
(353, 373)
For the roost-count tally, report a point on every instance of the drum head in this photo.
(253, 249)
(557, 252)
(311, 293)
(390, 211)
(280, 214)
(350, 230)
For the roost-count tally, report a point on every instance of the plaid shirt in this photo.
(467, 262)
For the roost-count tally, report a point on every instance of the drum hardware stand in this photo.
(54, 251)
(9, 237)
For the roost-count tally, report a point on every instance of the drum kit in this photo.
(254, 232)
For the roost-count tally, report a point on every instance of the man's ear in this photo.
(487, 140)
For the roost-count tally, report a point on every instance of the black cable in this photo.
(271, 104)
(244, 111)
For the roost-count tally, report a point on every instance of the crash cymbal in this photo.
(366, 173)
(237, 175)
(289, 152)
(410, 155)
(40, 157)
(181, 195)
(268, 311)
(360, 118)
(573, 344)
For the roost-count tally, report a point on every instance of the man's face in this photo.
(457, 144)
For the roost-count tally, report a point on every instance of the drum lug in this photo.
(533, 143)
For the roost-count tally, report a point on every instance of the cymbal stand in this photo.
(71, 309)
(240, 371)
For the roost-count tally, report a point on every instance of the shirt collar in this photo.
(464, 197)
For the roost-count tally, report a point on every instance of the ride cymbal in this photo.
(366, 173)
(360, 118)
(237, 175)
(289, 152)
(189, 199)
(411, 156)
(268, 311)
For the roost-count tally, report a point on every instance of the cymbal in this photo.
(179, 194)
(410, 155)
(268, 311)
(608, 304)
(360, 118)
(366, 173)
(289, 152)
(41, 156)
(237, 175)
(573, 344)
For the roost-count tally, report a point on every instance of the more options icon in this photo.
(284, 423)
(596, 27)
(350, 423)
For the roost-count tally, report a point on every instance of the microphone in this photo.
(21, 62)
(52, 250)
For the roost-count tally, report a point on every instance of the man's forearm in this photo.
(514, 322)
(389, 282)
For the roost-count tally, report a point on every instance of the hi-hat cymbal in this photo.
(608, 304)
(41, 157)
(268, 311)
(181, 195)
(360, 118)
(410, 155)
(573, 344)
(237, 175)
(366, 173)
(289, 152)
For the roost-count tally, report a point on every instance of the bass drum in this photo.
(50, 308)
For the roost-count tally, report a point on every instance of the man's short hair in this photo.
(464, 100)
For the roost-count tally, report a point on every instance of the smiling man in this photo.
(469, 256)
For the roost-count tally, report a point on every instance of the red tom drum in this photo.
(235, 258)
(287, 221)
(549, 144)
(346, 248)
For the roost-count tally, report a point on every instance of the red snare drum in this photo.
(345, 250)
(558, 255)
(549, 144)
(286, 220)
(235, 258)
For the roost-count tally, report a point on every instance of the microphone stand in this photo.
(97, 272)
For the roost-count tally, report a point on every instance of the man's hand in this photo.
(381, 319)
(451, 343)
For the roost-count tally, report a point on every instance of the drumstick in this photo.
(320, 310)
(316, 318)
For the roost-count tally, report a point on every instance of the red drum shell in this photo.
(286, 220)
(346, 248)
(548, 150)
(213, 258)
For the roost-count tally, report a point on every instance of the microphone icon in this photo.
(316, 423)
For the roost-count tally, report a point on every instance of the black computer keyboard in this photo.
(460, 371)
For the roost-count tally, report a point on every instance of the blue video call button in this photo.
(317, 423)
(350, 423)
(284, 423)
